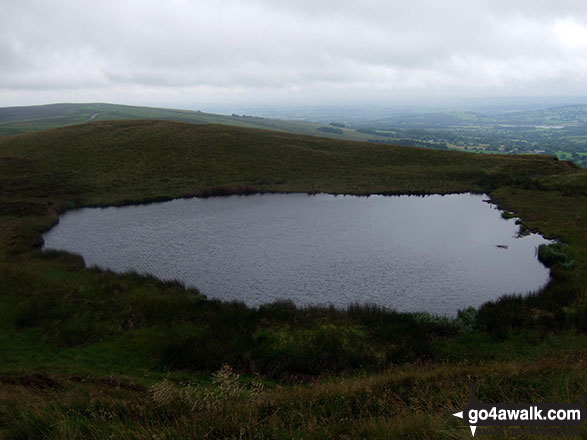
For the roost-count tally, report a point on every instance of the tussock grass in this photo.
(555, 253)
(410, 402)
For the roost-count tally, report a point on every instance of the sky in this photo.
(191, 54)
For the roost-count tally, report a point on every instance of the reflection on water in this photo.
(436, 253)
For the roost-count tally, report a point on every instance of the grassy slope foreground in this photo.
(92, 354)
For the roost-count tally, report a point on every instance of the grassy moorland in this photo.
(93, 354)
(16, 120)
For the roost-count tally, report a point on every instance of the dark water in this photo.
(436, 253)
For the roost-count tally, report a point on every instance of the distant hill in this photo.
(16, 120)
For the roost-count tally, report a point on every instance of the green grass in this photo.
(82, 349)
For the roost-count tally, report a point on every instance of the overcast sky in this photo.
(193, 53)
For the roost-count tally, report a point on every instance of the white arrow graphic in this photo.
(460, 416)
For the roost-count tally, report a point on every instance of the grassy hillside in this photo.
(15, 120)
(110, 162)
(92, 354)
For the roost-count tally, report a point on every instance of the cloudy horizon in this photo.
(280, 52)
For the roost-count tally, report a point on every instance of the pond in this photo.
(435, 254)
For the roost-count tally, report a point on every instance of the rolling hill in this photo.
(15, 120)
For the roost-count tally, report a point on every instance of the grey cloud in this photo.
(307, 48)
